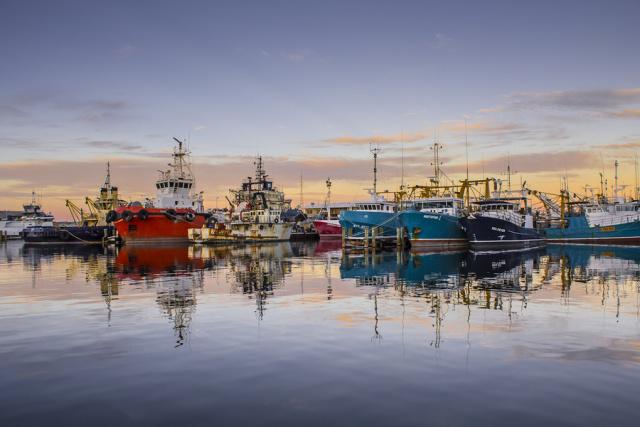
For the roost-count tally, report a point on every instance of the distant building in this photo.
(312, 210)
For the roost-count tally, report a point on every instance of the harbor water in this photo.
(301, 334)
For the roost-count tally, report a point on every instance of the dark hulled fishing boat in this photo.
(502, 223)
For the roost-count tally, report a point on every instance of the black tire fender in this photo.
(127, 215)
(111, 216)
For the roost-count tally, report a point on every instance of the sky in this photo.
(551, 88)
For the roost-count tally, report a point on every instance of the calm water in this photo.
(295, 335)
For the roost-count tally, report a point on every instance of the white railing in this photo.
(613, 219)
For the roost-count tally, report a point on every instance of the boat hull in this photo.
(487, 233)
(260, 232)
(12, 229)
(433, 230)
(328, 228)
(355, 223)
(72, 234)
(578, 231)
(161, 225)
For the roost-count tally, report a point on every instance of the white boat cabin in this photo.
(383, 206)
(440, 205)
(512, 209)
(611, 214)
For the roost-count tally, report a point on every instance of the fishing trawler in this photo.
(435, 223)
(256, 214)
(502, 222)
(13, 224)
(175, 209)
(376, 218)
(597, 219)
(433, 219)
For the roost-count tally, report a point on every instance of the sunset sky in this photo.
(554, 86)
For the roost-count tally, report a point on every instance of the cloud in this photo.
(629, 113)
(378, 139)
(113, 145)
(11, 112)
(600, 100)
(557, 162)
(125, 51)
(34, 107)
(295, 56)
(440, 41)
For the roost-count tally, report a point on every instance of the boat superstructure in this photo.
(256, 214)
(175, 209)
(257, 209)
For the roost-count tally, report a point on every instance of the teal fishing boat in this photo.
(601, 222)
(435, 223)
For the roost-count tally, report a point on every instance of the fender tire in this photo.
(127, 215)
(111, 216)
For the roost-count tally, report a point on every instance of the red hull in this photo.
(157, 226)
(327, 229)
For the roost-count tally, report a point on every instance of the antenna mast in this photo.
(636, 175)
(466, 146)
(402, 163)
(301, 193)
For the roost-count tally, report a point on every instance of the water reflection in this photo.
(224, 321)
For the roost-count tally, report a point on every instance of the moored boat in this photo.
(259, 212)
(67, 234)
(435, 223)
(599, 222)
(502, 223)
(13, 224)
(175, 209)
(377, 219)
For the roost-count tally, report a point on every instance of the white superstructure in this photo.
(175, 188)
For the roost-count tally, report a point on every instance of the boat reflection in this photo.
(254, 270)
(175, 276)
(506, 271)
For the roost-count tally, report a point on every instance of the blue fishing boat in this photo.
(435, 223)
(601, 222)
(379, 217)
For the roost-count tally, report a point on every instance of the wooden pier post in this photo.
(344, 237)
(374, 240)
(366, 237)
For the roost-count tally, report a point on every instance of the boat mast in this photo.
(375, 151)
(635, 162)
(436, 162)
(615, 188)
(327, 202)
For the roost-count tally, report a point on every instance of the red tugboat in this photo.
(171, 214)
